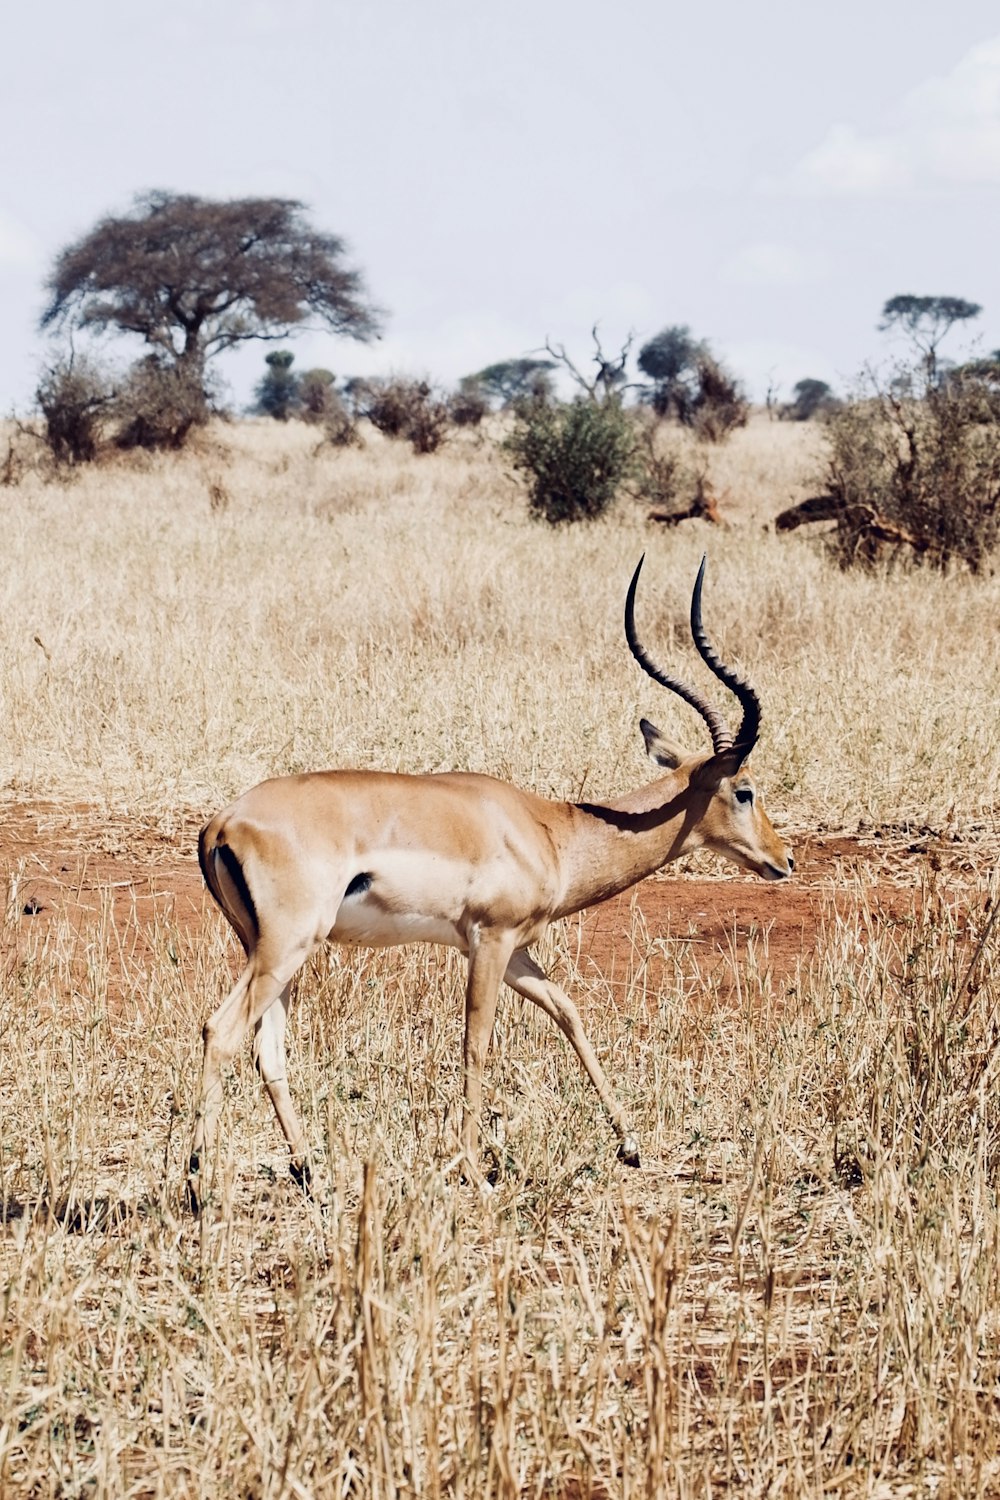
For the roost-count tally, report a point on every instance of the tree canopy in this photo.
(669, 354)
(926, 320)
(512, 380)
(194, 276)
(690, 384)
(809, 396)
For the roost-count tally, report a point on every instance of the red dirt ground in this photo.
(73, 861)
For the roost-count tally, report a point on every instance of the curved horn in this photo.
(722, 738)
(746, 735)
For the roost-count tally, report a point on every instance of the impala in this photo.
(374, 859)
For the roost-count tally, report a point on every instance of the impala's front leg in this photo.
(488, 957)
(531, 981)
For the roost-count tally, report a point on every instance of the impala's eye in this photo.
(744, 794)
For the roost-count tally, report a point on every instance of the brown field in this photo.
(799, 1291)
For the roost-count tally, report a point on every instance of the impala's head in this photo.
(732, 820)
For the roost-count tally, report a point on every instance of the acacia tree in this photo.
(925, 321)
(690, 384)
(194, 276)
(809, 397)
(513, 380)
(667, 358)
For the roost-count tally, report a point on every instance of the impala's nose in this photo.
(779, 872)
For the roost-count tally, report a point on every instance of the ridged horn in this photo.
(746, 735)
(722, 736)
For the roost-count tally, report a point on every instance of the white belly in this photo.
(367, 924)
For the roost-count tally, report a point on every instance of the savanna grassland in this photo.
(797, 1294)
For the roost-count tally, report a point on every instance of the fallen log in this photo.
(865, 523)
(816, 508)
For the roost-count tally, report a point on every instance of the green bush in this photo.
(277, 393)
(574, 456)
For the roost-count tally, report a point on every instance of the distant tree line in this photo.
(913, 460)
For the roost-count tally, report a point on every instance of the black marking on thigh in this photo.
(235, 872)
(358, 886)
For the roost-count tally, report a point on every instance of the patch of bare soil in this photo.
(875, 880)
(75, 863)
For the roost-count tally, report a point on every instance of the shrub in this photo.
(662, 477)
(404, 409)
(321, 404)
(718, 406)
(575, 456)
(158, 405)
(316, 392)
(278, 392)
(470, 403)
(917, 473)
(339, 426)
(75, 396)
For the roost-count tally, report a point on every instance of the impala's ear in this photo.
(719, 767)
(660, 751)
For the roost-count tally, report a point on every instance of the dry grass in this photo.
(178, 629)
(799, 1294)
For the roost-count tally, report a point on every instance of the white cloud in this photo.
(18, 247)
(943, 133)
(771, 263)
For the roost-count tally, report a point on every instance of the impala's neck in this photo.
(615, 844)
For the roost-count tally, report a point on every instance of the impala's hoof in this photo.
(301, 1174)
(628, 1151)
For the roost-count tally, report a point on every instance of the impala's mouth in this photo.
(775, 872)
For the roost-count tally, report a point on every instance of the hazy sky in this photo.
(768, 174)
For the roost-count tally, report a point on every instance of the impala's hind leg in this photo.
(262, 982)
(269, 1057)
(525, 976)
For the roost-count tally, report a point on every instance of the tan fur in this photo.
(457, 859)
